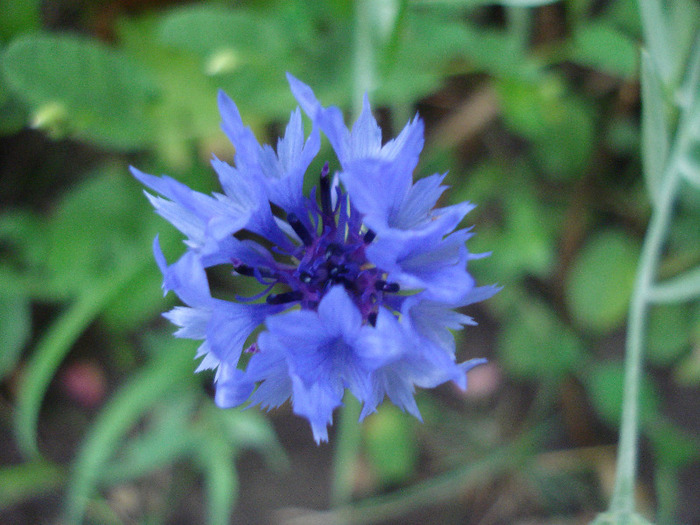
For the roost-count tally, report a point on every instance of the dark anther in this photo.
(372, 318)
(300, 229)
(244, 269)
(305, 277)
(286, 297)
(384, 286)
(333, 249)
(369, 236)
(249, 271)
(325, 184)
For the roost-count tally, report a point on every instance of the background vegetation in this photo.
(533, 107)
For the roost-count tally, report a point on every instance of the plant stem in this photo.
(623, 503)
(623, 494)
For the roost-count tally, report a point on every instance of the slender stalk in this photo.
(623, 502)
(623, 494)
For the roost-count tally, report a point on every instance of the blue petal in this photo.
(424, 261)
(186, 278)
(232, 386)
(195, 214)
(284, 170)
(377, 189)
(329, 120)
(241, 136)
(316, 403)
(231, 324)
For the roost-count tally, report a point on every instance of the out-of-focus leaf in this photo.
(669, 333)
(20, 482)
(526, 245)
(96, 92)
(605, 48)
(168, 438)
(18, 16)
(221, 478)
(535, 344)
(13, 114)
(55, 344)
(186, 108)
(249, 430)
(604, 383)
(99, 225)
(168, 371)
(15, 327)
(391, 444)
(674, 446)
(655, 127)
(661, 48)
(599, 284)
(474, 3)
(560, 126)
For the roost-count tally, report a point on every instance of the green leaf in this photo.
(15, 328)
(656, 136)
(167, 438)
(391, 445)
(98, 226)
(249, 430)
(673, 445)
(206, 30)
(535, 344)
(605, 48)
(83, 86)
(657, 38)
(53, 347)
(537, 106)
(168, 371)
(668, 333)
(220, 477)
(26, 480)
(604, 382)
(599, 284)
(18, 16)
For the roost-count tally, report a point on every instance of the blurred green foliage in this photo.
(554, 161)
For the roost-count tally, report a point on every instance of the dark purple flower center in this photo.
(332, 252)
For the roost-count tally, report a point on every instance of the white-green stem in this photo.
(623, 501)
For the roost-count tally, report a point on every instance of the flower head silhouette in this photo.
(361, 277)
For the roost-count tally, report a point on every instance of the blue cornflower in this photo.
(361, 278)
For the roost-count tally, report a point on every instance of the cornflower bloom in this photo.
(361, 278)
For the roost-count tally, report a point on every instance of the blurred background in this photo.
(534, 111)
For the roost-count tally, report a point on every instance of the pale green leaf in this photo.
(26, 480)
(604, 383)
(220, 477)
(15, 328)
(145, 388)
(53, 347)
(77, 85)
(599, 284)
(603, 47)
(535, 344)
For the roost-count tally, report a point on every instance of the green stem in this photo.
(623, 494)
(622, 503)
